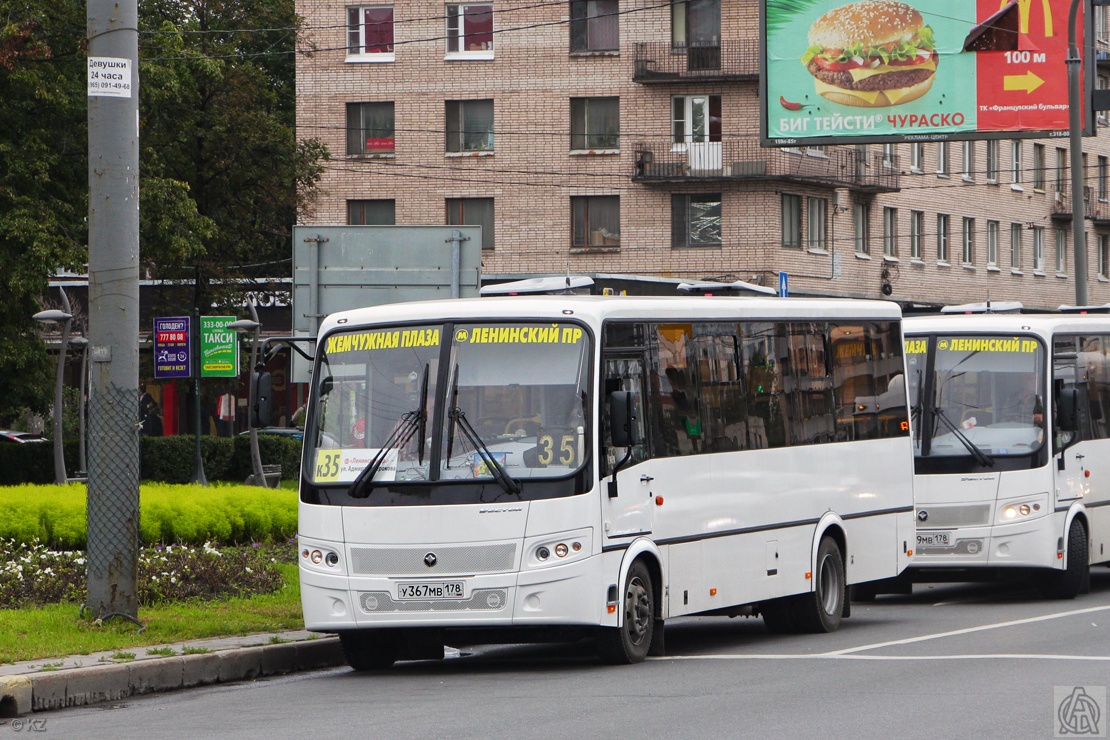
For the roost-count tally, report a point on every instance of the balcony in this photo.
(1093, 209)
(746, 161)
(662, 63)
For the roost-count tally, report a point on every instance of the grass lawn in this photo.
(57, 630)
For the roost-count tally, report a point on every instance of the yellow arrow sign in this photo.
(1027, 82)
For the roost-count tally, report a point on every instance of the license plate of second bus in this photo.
(430, 590)
(934, 539)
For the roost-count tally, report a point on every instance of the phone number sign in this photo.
(171, 347)
(829, 77)
(219, 348)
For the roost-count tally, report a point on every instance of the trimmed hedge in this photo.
(168, 514)
(162, 459)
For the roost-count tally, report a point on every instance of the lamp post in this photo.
(83, 343)
(1079, 246)
(64, 318)
(252, 325)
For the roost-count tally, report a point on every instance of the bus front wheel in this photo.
(367, 651)
(1075, 579)
(630, 642)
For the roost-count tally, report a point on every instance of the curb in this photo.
(75, 687)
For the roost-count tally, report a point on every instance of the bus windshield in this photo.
(985, 397)
(450, 402)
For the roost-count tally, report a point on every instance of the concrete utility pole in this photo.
(1078, 176)
(113, 505)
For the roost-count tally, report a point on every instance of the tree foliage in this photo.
(221, 171)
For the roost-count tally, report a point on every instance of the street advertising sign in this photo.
(890, 71)
(219, 348)
(171, 347)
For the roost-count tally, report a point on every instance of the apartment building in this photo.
(622, 136)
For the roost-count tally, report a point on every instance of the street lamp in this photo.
(252, 325)
(64, 318)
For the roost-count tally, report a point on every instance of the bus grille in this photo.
(955, 516)
(485, 599)
(450, 560)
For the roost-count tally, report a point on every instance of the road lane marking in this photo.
(969, 630)
(839, 656)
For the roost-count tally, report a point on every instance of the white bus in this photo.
(1011, 417)
(551, 468)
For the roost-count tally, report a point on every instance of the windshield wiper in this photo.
(411, 422)
(511, 485)
(981, 457)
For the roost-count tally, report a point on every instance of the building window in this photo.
(817, 210)
(861, 220)
(917, 157)
(791, 221)
(370, 33)
(695, 119)
(992, 244)
(472, 212)
(992, 160)
(1104, 256)
(968, 163)
(595, 221)
(593, 25)
(470, 30)
(1015, 246)
(888, 155)
(696, 220)
(469, 125)
(370, 128)
(696, 24)
(1038, 167)
(942, 158)
(942, 238)
(1015, 162)
(1061, 251)
(595, 123)
(371, 212)
(1061, 170)
(1103, 176)
(917, 232)
(968, 255)
(890, 232)
(1038, 249)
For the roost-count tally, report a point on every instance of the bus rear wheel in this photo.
(1075, 578)
(367, 650)
(822, 609)
(630, 642)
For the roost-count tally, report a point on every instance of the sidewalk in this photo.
(41, 685)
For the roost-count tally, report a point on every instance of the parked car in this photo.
(7, 435)
(290, 432)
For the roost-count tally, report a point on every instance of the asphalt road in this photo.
(950, 661)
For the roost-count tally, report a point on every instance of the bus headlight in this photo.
(558, 549)
(1010, 512)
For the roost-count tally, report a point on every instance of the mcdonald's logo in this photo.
(1025, 8)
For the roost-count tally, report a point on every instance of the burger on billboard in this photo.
(871, 54)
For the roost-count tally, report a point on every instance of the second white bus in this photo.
(1012, 446)
(552, 468)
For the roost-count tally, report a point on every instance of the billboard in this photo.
(888, 71)
(219, 348)
(171, 347)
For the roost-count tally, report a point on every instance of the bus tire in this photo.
(822, 609)
(367, 651)
(630, 642)
(1075, 579)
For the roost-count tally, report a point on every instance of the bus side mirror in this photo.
(1066, 404)
(263, 411)
(622, 418)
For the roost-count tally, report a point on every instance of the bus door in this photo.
(627, 498)
(1079, 363)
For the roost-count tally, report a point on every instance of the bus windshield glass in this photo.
(496, 402)
(986, 396)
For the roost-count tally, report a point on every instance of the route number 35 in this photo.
(549, 452)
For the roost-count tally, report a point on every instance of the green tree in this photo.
(43, 182)
(219, 147)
